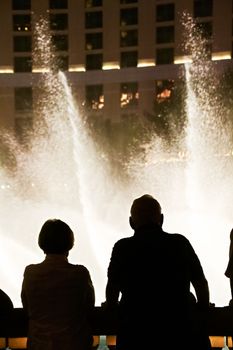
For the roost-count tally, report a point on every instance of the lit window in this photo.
(22, 43)
(94, 97)
(128, 38)
(58, 4)
(94, 61)
(23, 99)
(93, 3)
(21, 4)
(94, 41)
(93, 20)
(164, 89)
(165, 35)
(22, 64)
(59, 21)
(165, 56)
(203, 8)
(129, 94)
(129, 59)
(165, 12)
(21, 23)
(129, 17)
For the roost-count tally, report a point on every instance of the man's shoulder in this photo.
(32, 269)
(81, 269)
(177, 239)
(32, 266)
(124, 240)
(176, 236)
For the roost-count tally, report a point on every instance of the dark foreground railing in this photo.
(13, 330)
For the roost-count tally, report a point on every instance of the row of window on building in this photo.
(62, 4)
(94, 101)
(128, 33)
(202, 8)
(94, 96)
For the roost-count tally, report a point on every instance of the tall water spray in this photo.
(193, 179)
(208, 173)
(63, 173)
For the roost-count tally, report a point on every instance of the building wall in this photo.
(222, 26)
(110, 77)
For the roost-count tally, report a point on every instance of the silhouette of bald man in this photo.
(149, 277)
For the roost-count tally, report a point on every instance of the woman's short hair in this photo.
(55, 237)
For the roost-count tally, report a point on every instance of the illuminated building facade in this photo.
(119, 55)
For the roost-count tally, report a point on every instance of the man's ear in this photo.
(131, 223)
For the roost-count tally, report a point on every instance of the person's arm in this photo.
(23, 296)
(198, 278)
(229, 269)
(91, 292)
(89, 288)
(231, 285)
(112, 291)
(202, 292)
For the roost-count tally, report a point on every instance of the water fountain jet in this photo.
(63, 174)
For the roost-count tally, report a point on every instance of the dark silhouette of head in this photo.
(55, 237)
(145, 211)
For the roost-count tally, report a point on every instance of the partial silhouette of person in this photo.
(58, 296)
(149, 279)
(6, 309)
(6, 304)
(229, 269)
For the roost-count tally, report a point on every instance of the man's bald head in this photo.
(145, 210)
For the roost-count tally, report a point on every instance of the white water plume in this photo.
(193, 179)
(63, 173)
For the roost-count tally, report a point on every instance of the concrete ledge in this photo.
(13, 328)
